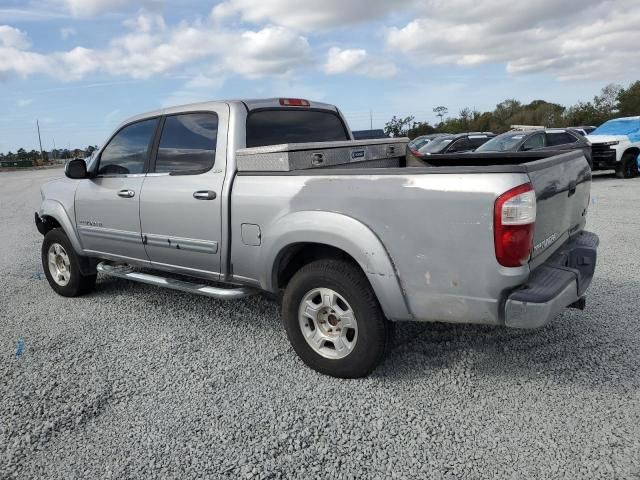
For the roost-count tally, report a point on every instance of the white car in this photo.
(616, 146)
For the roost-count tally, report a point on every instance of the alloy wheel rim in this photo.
(328, 323)
(59, 264)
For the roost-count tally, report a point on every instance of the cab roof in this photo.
(249, 104)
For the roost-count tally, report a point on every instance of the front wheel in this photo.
(628, 167)
(333, 319)
(61, 266)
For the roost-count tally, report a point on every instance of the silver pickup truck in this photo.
(232, 198)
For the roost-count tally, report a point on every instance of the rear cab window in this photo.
(281, 125)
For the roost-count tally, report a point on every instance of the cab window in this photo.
(460, 145)
(188, 144)
(560, 138)
(534, 142)
(277, 126)
(127, 151)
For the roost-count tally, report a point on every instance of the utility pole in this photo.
(40, 141)
(371, 119)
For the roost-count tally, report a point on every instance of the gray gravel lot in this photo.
(136, 382)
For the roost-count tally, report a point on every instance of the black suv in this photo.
(551, 139)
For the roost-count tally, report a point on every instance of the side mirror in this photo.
(76, 169)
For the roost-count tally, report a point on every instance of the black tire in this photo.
(78, 284)
(628, 166)
(373, 329)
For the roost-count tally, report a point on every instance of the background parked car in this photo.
(583, 130)
(454, 143)
(541, 139)
(417, 143)
(616, 146)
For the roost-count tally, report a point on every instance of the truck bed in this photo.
(435, 222)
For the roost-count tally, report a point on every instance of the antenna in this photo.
(40, 141)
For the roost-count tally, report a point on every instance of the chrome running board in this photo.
(127, 272)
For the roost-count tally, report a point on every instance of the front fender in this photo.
(55, 210)
(347, 234)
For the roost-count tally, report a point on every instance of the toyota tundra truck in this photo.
(233, 198)
(616, 146)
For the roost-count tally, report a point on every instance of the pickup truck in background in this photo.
(231, 198)
(616, 146)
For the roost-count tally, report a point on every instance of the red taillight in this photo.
(415, 152)
(514, 221)
(294, 102)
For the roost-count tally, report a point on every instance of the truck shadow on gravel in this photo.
(592, 348)
(575, 348)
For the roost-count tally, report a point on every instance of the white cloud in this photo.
(270, 51)
(152, 47)
(24, 102)
(572, 39)
(356, 61)
(307, 14)
(14, 56)
(11, 37)
(90, 8)
(67, 32)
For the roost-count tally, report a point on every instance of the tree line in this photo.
(612, 102)
(46, 157)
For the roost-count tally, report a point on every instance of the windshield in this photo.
(436, 145)
(417, 144)
(502, 143)
(622, 126)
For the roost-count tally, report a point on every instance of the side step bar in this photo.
(127, 272)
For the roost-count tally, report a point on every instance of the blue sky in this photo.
(83, 66)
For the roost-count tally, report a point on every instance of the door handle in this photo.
(204, 195)
(126, 193)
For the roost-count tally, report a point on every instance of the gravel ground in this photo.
(135, 382)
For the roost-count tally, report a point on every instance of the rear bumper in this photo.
(559, 282)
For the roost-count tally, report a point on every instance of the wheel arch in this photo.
(317, 234)
(54, 215)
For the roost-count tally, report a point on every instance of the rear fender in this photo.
(347, 234)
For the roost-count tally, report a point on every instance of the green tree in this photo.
(629, 101)
(607, 102)
(398, 126)
(440, 112)
(420, 128)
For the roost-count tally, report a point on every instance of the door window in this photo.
(534, 142)
(460, 145)
(188, 144)
(127, 151)
(559, 138)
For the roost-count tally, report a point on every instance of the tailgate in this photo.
(563, 187)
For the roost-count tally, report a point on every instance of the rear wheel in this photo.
(61, 266)
(333, 319)
(628, 167)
